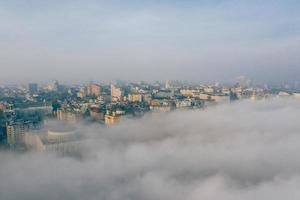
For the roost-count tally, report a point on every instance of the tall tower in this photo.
(116, 93)
(15, 133)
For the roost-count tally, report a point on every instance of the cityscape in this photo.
(149, 100)
(27, 110)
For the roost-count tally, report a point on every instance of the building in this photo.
(82, 92)
(283, 94)
(16, 133)
(94, 90)
(162, 105)
(184, 103)
(164, 94)
(111, 118)
(66, 116)
(188, 92)
(135, 98)
(169, 85)
(209, 90)
(55, 136)
(59, 137)
(116, 93)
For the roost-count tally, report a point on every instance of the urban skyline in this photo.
(28, 109)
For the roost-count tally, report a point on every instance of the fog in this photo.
(247, 150)
(77, 41)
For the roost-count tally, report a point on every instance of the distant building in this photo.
(184, 104)
(135, 98)
(169, 85)
(94, 90)
(116, 93)
(188, 92)
(16, 133)
(33, 88)
(111, 118)
(283, 94)
(164, 94)
(66, 116)
(162, 105)
(82, 92)
(209, 90)
(62, 138)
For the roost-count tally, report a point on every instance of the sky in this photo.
(204, 40)
(231, 152)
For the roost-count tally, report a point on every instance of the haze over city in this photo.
(149, 100)
(75, 41)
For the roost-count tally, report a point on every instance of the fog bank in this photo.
(245, 150)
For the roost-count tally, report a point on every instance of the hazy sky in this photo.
(229, 152)
(156, 39)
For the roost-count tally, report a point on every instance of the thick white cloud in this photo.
(246, 150)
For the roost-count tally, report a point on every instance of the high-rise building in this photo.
(116, 93)
(94, 90)
(15, 133)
